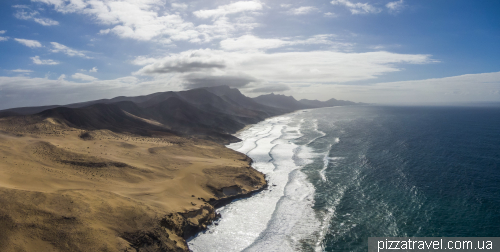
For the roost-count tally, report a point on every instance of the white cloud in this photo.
(357, 8)
(329, 14)
(92, 70)
(3, 38)
(21, 71)
(250, 42)
(29, 43)
(181, 6)
(83, 77)
(142, 61)
(138, 20)
(302, 10)
(148, 20)
(24, 15)
(395, 6)
(38, 61)
(46, 21)
(185, 62)
(285, 67)
(66, 50)
(232, 8)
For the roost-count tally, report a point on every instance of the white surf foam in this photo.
(275, 219)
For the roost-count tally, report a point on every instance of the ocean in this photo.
(340, 175)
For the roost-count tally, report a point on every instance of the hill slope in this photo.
(213, 113)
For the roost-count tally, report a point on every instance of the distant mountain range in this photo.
(212, 112)
(290, 103)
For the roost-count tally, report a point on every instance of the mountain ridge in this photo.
(213, 113)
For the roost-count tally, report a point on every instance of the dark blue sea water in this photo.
(402, 171)
(344, 174)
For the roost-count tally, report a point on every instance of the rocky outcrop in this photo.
(171, 232)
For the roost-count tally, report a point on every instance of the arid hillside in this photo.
(67, 189)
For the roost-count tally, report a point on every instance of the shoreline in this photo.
(269, 182)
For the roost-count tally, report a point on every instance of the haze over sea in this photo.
(340, 175)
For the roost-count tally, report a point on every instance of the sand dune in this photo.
(66, 189)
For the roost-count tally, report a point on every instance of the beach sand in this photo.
(66, 189)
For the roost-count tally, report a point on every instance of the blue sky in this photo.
(380, 51)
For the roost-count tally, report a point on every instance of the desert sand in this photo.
(66, 189)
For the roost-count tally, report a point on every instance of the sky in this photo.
(376, 51)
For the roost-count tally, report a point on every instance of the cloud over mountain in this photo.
(196, 81)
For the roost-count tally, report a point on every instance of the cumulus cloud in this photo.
(395, 6)
(29, 43)
(356, 8)
(291, 67)
(237, 81)
(302, 10)
(83, 77)
(93, 70)
(39, 61)
(232, 8)
(25, 15)
(149, 21)
(3, 31)
(56, 47)
(138, 20)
